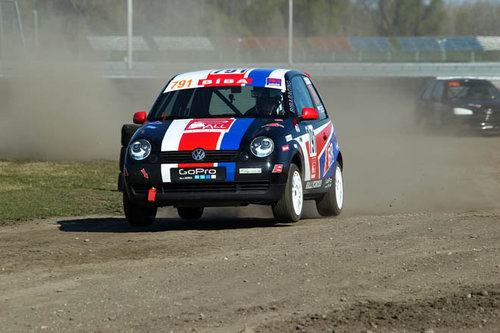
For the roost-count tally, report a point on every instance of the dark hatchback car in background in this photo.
(459, 104)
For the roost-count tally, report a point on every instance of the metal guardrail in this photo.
(120, 70)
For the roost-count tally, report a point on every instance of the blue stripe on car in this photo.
(259, 76)
(230, 170)
(232, 139)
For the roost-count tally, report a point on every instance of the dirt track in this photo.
(417, 248)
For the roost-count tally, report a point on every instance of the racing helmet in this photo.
(267, 100)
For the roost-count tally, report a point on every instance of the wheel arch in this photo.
(298, 160)
(340, 160)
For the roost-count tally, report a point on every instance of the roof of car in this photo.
(258, 77)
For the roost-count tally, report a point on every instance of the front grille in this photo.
(211, 156)
(203, 187)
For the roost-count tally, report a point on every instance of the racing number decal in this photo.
(230, 71)
(313, 160)
(312, 140)
(181, 84)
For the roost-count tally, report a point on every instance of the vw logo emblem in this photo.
(198, 154)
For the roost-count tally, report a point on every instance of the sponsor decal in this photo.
(314, 167)
(151, 127)
(288, 138)
(201, 173)
(328, 182)
(313, 184)
(197, 171)
(144, 173)
(285, 148)
(250, 170)
(270, 81)
(220, 81)
(297, 128)
(278, 168)
(330, 155)
(209, 125)
(278, 120)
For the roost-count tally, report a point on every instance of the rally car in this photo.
(232, 137)
(459, 104)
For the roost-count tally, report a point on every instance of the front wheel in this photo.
(190, 213)
(138, 216)
(330, 204)
(289, 207)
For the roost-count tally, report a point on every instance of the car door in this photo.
(317, 135)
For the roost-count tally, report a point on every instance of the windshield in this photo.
(215, 102)
(472, 90)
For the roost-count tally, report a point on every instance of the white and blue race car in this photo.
(232, 137)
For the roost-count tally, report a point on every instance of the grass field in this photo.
(40, 189)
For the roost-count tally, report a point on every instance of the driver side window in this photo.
(301, 97)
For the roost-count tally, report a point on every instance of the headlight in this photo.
(462, 112)
(139, 149)
(262, 146)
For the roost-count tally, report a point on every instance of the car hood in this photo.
(210, 133)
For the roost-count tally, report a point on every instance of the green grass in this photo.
(41, 189)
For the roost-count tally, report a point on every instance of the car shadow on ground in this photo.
(119, 225)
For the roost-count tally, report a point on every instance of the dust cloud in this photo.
(53, 111)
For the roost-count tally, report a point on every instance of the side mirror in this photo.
(309, 114)
(140, 117)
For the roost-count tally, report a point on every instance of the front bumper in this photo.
(478, 122)
(265, 187)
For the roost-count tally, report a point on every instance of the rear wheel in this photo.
(289, 207)
(138, 216)
(190, 213)
(331, 202)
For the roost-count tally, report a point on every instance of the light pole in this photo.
(130, 16)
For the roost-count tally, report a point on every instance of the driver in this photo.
(267, 101)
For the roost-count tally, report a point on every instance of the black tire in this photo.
(136, 215)
(120, 182)
(286, 209)
(190, 213)
(127, 131)
(332, 201)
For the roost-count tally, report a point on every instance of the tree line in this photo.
(219, 18)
